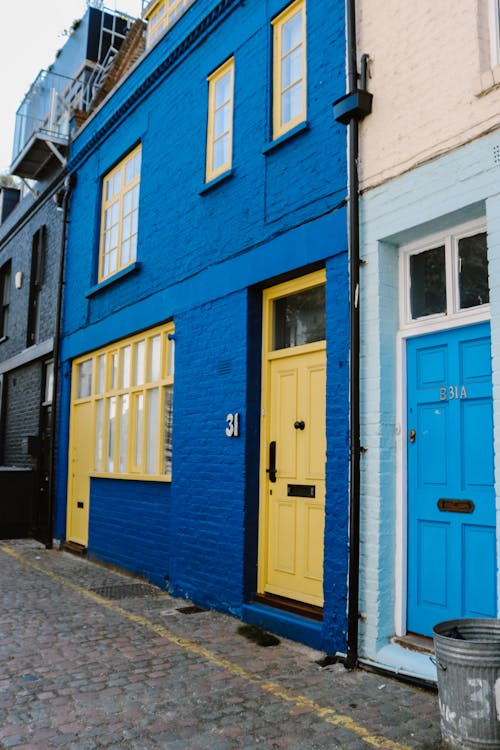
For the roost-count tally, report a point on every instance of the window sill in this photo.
(489, 80)
(132, 268)
(216, 181)
(129, 477)
(286, 137)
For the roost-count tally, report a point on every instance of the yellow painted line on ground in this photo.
(329, 715)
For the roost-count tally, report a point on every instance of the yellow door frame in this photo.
(270, 295)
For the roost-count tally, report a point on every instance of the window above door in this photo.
(445, 276)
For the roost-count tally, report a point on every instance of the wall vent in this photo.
(496, 154)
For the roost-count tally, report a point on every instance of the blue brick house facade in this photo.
(239, 262)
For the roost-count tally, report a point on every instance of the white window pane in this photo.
(154, 359)
(127, 223)
(117, 181)
(221, 120)
(221, 151)
(99, 421)
(112, 260)
(152, 433)
(114, 237)
(137, 163)
(127, 202)
(101, 373)
(110, 452)
(124, 433)
(49, 382)
(291, 68)
(135, 197)
(223, 89)
(125, 252)
(171, 357)
(114, 370)
(126, 362)
(139, 364)
(139, 425)
(291, 103)
(133, 247)
(129, 171)
(84, 388)
(291, 33)
(135, 221)
(108, 189)
(167, 431)
(115, 213)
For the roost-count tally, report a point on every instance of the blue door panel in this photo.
(477, 445)
(432, 570)
(479, 571)
(451, 554)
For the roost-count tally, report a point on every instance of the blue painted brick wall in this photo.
(208, 481)
(130, 526)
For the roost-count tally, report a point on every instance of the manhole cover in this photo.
(190, 610)
(126, 591)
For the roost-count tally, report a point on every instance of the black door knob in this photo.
(299, 425)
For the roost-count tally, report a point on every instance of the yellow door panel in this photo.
(291, 559)
(81, 456)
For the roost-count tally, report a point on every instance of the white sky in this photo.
(31, 31)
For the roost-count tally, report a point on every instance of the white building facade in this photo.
(430, 324)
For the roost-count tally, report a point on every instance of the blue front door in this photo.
(451, 502)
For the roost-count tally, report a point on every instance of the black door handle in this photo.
(272, 461)
(299, 425)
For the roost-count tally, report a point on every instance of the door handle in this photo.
(413, 436)
(272, 461)
(299, 425)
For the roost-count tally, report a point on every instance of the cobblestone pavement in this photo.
(81, 670)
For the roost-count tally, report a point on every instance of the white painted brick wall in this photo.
(432, 82)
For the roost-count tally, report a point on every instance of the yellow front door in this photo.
(294, 442)
(80, 463)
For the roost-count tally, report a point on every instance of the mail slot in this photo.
(450, 505)
(301, 490)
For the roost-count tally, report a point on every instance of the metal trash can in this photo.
(468, 670)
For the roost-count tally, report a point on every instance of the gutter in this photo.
(349, 110)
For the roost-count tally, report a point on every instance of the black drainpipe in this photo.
(349, 110)
(62, 199)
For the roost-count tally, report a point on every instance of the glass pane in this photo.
(428, 283)
(137, 163)
(171, 356)
(49, 383)
(154, 359)
(124, 433)
(291, 103)
(291, 68)
(84, 388)
(221, 121)
(152, 432)
(125, 374)
(223, 89)
(101, 373)
(473, 271)
(99, 421)
(221, 151)
(300, 318)
(292, 33)
(139, 422)
(167, 430)
(114, 370)
(110, 459)
(140, 356)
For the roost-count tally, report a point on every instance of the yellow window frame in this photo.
(278, 24)
(162, 15)
(213, 171)
(117, 175)
(117, 390)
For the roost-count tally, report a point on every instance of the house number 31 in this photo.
(233, 425)
(449, 392)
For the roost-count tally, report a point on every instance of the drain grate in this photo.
(126, 591)
(190, 610)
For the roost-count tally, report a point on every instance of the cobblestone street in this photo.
(92, 658)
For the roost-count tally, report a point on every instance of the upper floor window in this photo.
(36, 279)
(448, 276)
(220, 120)
(289, 68)
(4, 299)
(161, 15)
(120, 213)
